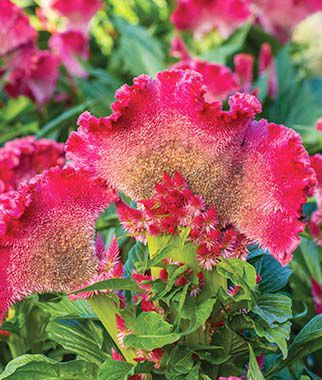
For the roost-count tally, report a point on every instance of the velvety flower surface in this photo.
(47, 236)
(23, 158)
(219, 79)
(15, 29)
(202, 16)
(256, 174)
(78, 12)
(32, 73)
(70, 47)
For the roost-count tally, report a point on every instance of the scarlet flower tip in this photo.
(23, 158)
(256, 174)
(15, 28)
(48, 241)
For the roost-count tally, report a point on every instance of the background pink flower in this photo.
(256, 174)
(15, 29)
(202, 16)
(47, 239)
(23, 158)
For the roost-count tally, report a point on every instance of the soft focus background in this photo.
(77, 61)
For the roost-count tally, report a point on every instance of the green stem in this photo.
(106, 310)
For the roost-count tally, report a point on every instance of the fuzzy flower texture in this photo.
(240, 181)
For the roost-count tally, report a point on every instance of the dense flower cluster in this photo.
(47, 234)
(165, 125)
(276, 17)
(22, 159)
(174, 207)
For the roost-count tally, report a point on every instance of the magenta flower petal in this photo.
(202, 16)
(219, 79)
(33, 73)
(78, 12)
(256, 174)
(23, 158)
(15, 29)
(317, 295)
(315, 224)
(47, 240)
(70, 47)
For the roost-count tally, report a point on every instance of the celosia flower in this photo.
(317, 295)
(319, 124)
(23, 158)
(266, 64)
(280, 17)
(178, 49)
(169, 211)
(315, 224)
(202, 16)
(47, 240)
(32, 73)
(256, 174)
(78, 12)
(109, 266)
(15, 29)
(70, 47)
(244, 65)
(219, 79)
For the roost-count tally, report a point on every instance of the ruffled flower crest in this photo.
(47, 234)
(256, 174)
(22, 159)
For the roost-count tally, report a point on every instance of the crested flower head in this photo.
(202, 16)
(47, 235)
(23, 158)
(219, 79)
(15, 29)
(70, 46)
(256, 174)
(32, 73)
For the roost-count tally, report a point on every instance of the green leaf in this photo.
(138, 52)
(197, 314)
(83, 338)
(67, 309)
(114, 370)
(273, 308)
(137, 254)
(151, 331)
(112, 284)
(39, 367)
(311, 257)
(254, 372)
(274, 275)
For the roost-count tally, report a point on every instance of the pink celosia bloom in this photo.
(244, 65)
(15, 29)
(319, 124)
(202, 16)
(219, 79)
(71, 46)
(266, 64)
(23, 158)
(78, 12)
(315, 224)
(256, 174)
(32, 73)
(178, 49)
(317, 295)
(109, 266)
(280, 17)
(47, 241)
